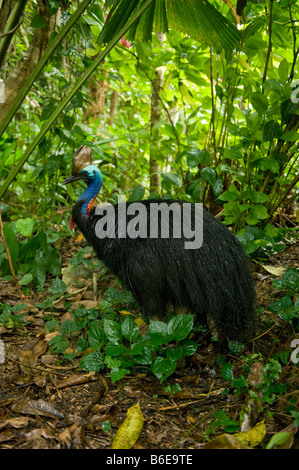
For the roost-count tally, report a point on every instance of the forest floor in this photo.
(49, 403)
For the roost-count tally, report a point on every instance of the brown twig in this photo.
(295, 50)
(270, 42)
(40, 369)
(11, 31)
(213, 107)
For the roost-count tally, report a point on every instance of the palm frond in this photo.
(196, 18)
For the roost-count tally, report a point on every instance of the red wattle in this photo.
(71, 223)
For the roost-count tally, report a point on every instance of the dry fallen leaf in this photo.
(73, 380)
(36, 407)
(275, 270)
(225, 441)
(255, 375)
(18, 422)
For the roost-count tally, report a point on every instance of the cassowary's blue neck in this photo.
(89, 195)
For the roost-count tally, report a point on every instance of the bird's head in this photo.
(90, 174)
(94, 179)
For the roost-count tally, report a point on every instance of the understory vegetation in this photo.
(191, 102)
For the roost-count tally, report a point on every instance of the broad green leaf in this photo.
(232, 194)
(174, 354)
(172, 179)
(251, 220)
(93, 362)
(58, 344)
(271, 130)
(255, 196)
(186, 94)
(118, 374)
(194, 77)
(158, 332)
(25, 227)
(47, 111)
(37, 22)
(259, 101)
(12, 242)
(58, 287)
(268, 164)
(282, 304)
(287, 109)
(52, 262)
(26, 279)
(197, 156)
(114, 349)
(38, 270)
(290, 136)
(227, 372)
(129, 329)
(278, 439)
(209, 174)
(189, 347)
(283, 70)
(163, 368)
(82, 344)
(259, 211)
(96, 335)
(112, 330)
(146, 357)
(137, 193)
(68, 327)
(290, 280)
(180, 326)
(280, 157)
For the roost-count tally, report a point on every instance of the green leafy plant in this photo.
(278, 439)
(124, 347)
(120, 346)
(262, 242)
(222, 421)
(288, 306)
(9, 316)
(267, 388)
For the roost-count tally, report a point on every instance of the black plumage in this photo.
(213, 281)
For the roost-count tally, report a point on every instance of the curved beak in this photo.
(78, 176)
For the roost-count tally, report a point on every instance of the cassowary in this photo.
(210, 279)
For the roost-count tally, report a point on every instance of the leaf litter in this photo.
(47, 402)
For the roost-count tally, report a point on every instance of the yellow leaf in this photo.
(254, 436)
(125, 312)
(138, 319)
(79, 237)
(129, 431)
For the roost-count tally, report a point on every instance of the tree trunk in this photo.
(20, 74)
(114, 99)
(10, 15)
(97, 91)
(155, 117)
